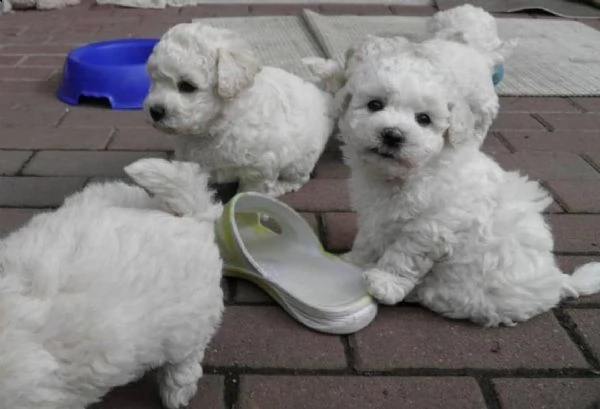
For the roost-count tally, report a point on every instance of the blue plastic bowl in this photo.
(115, 70)
(498, 74)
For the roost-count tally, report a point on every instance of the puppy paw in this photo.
(386, 288)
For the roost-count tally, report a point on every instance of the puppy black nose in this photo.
(157, 112)
(392, 137)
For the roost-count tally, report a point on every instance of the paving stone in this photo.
(567, 393)
(518, 121)
(144, 395)
(578, 196)
(215, 10)
(413, 10)
(493, 146)
(43, 60)
(411, 337)
(24, 116)
(575, 233)
(558, 141)
(267, 337)
(12, 161)
(46, 137)
(340, 230)
(37, 49)
(10, 59)
(546, 166)
(84, 163)
(355, 9)
(332, 195)
(536, 105)
(25, 73)
(331, 168)
(595, 157)
(588, 322)
(325, 392)
(577, 122)
(590, 104)
(13, 219)
(281, 9)
(141, 139)
(246, 292)
(37, 191)
(94, 117)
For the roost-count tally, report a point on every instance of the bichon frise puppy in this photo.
(439, 222)
(110, 285)
(238, 119)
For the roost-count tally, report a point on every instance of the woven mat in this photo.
(554, 58)
(279, 41)
(562, 8)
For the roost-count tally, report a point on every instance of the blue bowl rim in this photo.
(75, 54)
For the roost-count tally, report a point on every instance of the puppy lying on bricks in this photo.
(108, 286)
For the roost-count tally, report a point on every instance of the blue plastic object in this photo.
(498, 74)
(115, 70)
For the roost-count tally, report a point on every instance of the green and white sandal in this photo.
(317, 288)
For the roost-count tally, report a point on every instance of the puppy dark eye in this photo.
(423, 119)
(375, 105)
(186, 87)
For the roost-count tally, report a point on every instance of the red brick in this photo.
(320, 195)
(267, 337)
(247, 292)
(13, 219)
(549, 165)
(92, 117)
(563, 141)
(340, 230)
(144, 395)
(12, 161)
(413, 10)
(25, 73)
(140, 139)
(588, 322)
(37, 192)
(566, 393)
(83, 163)
(281, 9)
(39, 137)
(578, 196)
(44, 61)
(327, 392)
(517, 121)
(367, 9)
(411, 337)
(568, 264)
(575, 233)
(590, 104)
(536, 105)
(10, 59)
(215, 10)
(576, 122)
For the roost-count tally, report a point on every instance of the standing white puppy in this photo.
(439, 222)
(238, 119)
(110, 285)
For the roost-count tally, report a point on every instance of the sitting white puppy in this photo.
(439, 222)
(109, 286)
(242, 121)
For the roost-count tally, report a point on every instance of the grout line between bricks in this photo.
(542, 121)
(570, 327)
(559, 201)
(576, 105)
(590, 162)
(490, 396)
(62, 118)
(231, 390)
(504, 141)
(24, 165)
(349, 352)
(111, 137)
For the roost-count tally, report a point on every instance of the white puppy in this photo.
(109, 286)
(439, 222)
(238, 119)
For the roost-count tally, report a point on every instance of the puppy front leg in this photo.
(396, 274)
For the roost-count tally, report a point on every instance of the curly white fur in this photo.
(439, 222)
(108, 286)
(238, 119)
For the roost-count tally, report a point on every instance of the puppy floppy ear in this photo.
(462, 123)
(235, 71)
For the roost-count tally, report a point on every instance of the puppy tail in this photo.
(330, 74)
(180, 187)
(585, 280)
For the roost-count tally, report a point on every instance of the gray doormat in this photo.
(562, 8)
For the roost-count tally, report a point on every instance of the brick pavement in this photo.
(261, 358)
